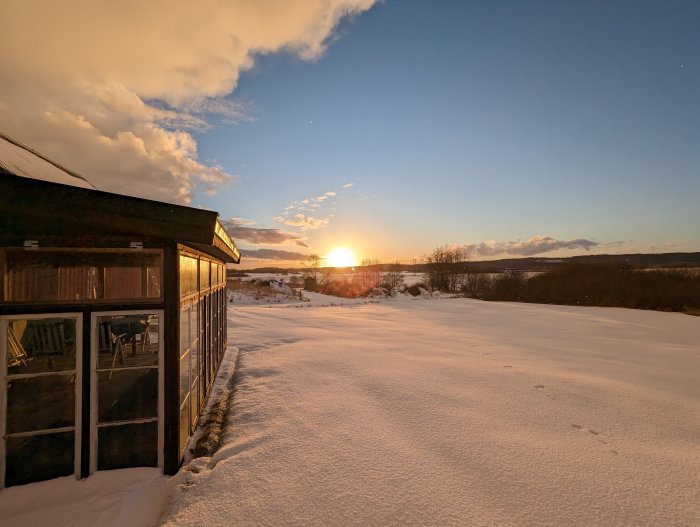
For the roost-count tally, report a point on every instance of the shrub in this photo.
(445, 268)
(603, 285)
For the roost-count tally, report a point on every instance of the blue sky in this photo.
(512, 128)
(463, 122)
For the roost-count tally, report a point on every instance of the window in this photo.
(201, 301)
(204, 267)
(72, 276)
(126, 387)
(41, 363)
(188, 275)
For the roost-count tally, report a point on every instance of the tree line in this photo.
(588, 284)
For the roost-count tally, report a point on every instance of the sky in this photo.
(539, 128)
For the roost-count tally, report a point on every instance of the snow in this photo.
(114, 498)
(23, 162)
(454, 412)
(428, 411)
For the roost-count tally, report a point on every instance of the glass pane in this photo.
(40, 403)
(195, 358)
(76, 276)
(40, 457)
(188, 275)
(153, 275)
(77, 283)
(194, 328)
(203, 274)
(127, 340)
(40, 345)
(184, 377)
(124, 282)
(132, 445)
(32, 283)
(184, 424)
(194, 401)
(127, 394)
(185, 338)
(202, 390)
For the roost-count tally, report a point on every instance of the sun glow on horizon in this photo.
(341, 257)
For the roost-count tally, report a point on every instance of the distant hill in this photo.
(639, 261)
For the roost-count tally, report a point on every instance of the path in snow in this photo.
(457, 412)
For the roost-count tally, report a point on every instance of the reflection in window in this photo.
(201, 335)
(127, 394)
(126, 341)
(184, 423)
(39, 457)
(40, 345)
(130, 445)
(40, 395)
(127, 390)
(188, 275)
(40, 403)
(82, 276)
(203, 274)
(184, 376)
(185, 339)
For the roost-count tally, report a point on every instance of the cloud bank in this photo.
(531, 247)
(240, 230)
(113, 90)
(273, 254)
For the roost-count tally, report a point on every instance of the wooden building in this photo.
(112, 323)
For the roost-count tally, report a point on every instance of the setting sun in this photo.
(341, 257)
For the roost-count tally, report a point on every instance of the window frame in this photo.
(77, 427)
(94, 343)
(106, 302)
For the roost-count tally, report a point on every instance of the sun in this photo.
(341, 257)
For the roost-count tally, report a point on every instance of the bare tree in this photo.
(393, 278)
(311, 272)
(316, 276)
(370, 273)
(445, 268)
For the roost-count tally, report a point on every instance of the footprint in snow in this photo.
(595, 433)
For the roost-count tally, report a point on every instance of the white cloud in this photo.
(240, 230)
(304, 222)
(109, 89)
(531, 247)
(297, 213)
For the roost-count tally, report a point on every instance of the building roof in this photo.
(17, 159)
(69, 210)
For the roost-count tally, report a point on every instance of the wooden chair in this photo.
(16, 354)
(111, 342)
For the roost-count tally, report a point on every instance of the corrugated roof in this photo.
(19, 160)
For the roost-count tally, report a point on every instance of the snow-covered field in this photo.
(440, 412)
(437, 412)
